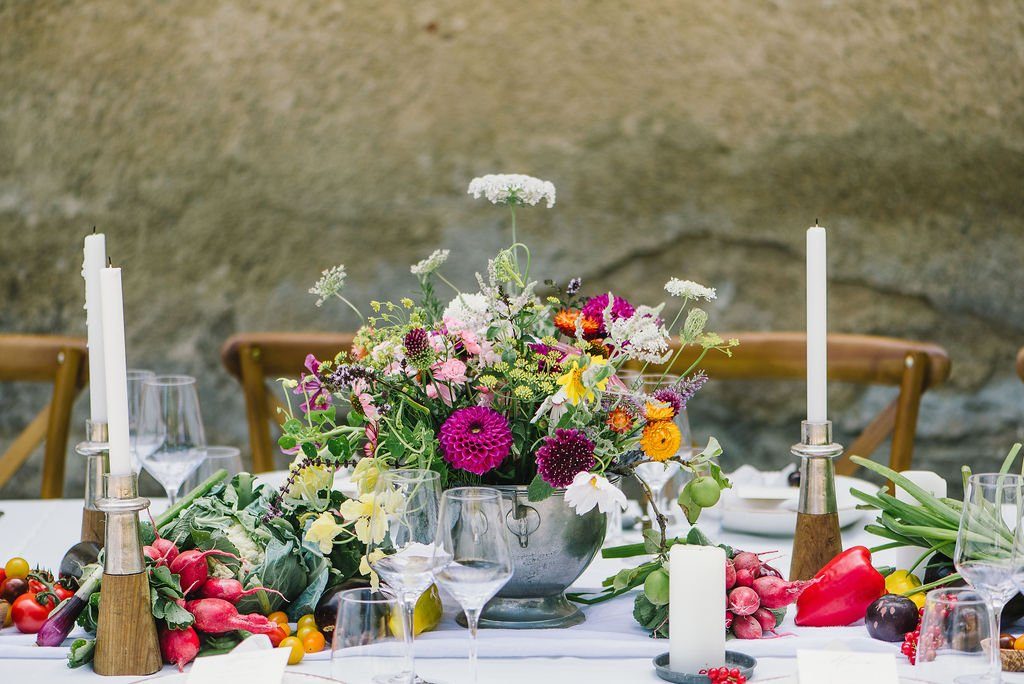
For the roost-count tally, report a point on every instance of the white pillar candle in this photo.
(95, 261)
(117, 378)
(696, 608)
(817, 351)
(936, 486)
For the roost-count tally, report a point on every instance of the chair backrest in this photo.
(44, 358)
(1020, 363)
(913, 367)
(254, 357)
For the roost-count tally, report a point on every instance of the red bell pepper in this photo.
(842, 592)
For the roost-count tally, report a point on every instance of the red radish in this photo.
(744, 578)
(745, 560)
(728, 619)
(730, 575)
(179, 646)
(229, 589)
(746, 627)
(765, 618)
(743, 601)
(163, 551)
(769, 571)
(778, 593)
(216, 616)
(191, 568)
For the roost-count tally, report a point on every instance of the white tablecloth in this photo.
(608, 647)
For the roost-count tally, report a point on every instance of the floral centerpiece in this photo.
(508, 382)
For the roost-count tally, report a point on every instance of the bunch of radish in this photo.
(756, 596)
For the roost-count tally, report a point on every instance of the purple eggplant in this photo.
(62, 620)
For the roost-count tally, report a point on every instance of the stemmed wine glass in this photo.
(136, 379)
(472, 560)
(170, 441)
(403, 524)
(988, 550)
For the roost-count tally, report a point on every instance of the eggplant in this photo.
(326, 612)
(62, 620)
(890, 617)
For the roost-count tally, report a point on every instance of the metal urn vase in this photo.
(551, 547)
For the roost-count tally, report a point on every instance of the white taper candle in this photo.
(696, 608)
(117, 379)
(94, 262)
(817, 350)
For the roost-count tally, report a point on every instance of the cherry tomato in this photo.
(12, 588)
(3, 575)
(303, 630)
(279, 617)
(277, 636)
(36, 586)
(1018, 643)
(307, 619)
(17, 567)
(295, 657)
(29, 614)
(62, 592)
(313, 642)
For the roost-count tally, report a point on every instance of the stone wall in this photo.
(230, 150)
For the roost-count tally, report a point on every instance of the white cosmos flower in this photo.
(688, 289)
(431, 263)
(590, 489)
(513, 188)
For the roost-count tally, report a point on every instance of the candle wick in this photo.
(109, 262)
(816, 223)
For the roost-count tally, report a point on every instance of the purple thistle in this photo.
(563, 455)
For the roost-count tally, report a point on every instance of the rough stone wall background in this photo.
(231, 150)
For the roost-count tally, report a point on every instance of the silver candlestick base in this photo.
(817, 539)
(121, 505)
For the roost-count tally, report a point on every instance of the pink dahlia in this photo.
(563, 455)
(476, 439)
(595, 306)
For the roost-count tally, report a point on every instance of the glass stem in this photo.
(994, 659)
(472, 621)
(408, 615)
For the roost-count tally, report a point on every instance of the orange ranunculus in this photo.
(660, 440)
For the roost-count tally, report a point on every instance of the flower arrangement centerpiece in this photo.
(506, 383)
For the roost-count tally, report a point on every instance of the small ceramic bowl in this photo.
(741, 661)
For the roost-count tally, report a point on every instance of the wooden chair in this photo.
(1020, 363)
(44, 358)
(913, 367)
(254, 357)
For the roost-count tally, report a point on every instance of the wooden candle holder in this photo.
(817, 539)
(94, 450)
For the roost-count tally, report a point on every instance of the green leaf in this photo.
(697, 538)
(539, 489)
(394, 446)
(335, 446)
(652, 540)
(286, 442)
(81, 652)
(690, 509)
(292, 425)
(309, 450)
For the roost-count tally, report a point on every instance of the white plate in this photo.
(738, 515)
(342, 481)
(289, 678)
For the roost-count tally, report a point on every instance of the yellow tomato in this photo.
(279, 617)
(307, 619)
(314, 642)
(304, 630)
(297, 651)
(17, 568)
(1018, 643)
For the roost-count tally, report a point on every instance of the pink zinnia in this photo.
(595, 306)
(564, 455)
(476, 439)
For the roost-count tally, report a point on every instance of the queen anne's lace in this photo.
(689, 289)
(641, 336)
(330, 284)
(513, 188)
(431, 263)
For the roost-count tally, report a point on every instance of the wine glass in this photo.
(956, 626)
(227, 458)
(136, 378)
(987, 549)
(364, 647)
(472, 560)
(403, 524)
(170, 441)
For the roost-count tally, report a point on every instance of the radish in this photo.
(190, 566)
(746, 627)
(744, 578)
(766, 619)
(216, 616)
(778, 593)
(745, 560)
(743, 601)
(230, 590)
(728, 619)
(730, 574)
(179, 646)
(163, 551)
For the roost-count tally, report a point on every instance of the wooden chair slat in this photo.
(1020, 363)
(23, 445)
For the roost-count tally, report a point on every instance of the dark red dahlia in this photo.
(595, 306)
(563, 455)
(476, 439)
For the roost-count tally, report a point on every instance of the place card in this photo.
(846, 667)
(249, 665)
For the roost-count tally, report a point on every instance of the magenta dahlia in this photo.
(476, 439)
(595, 306)
(564, 455)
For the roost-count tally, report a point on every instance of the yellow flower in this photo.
(658, 410)
(323, 530)
(364, 475)
(575, 385)
(660, 440)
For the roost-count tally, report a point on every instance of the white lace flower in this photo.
(689, 289)
(641, 336)
(468, 312)
(330, 284)
(431, 263)
(590, 489)
(513, 188)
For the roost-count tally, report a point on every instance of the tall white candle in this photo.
(117, 378)
(817, 354)
(95, 261)
(936, 486)
(696, 608)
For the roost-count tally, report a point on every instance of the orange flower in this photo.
(619, 420)
(659, 410)
(565, 321)
(660, 440)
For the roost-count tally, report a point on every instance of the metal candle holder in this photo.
(94, 449)
(817, 539)
(126, 639)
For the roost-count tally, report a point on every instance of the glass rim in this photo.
(411, 474)
(945, 595)
(471, 494)
(170, 380)
(222, 451)
(995, 479)
(366, 596)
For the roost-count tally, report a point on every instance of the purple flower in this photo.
(476, 439)
(310, 386)
(670, 396)
(595, 307)
(689, 386)
(563, 455)
(544, 364)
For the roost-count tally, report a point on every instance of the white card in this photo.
(260, 666)
(846, 667)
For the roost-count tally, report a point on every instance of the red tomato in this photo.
(29, 615)
(277, 636)
(3, 575)
(36, 586)
(62, 592)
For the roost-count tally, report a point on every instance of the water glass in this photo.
(956, 637)
(365, 648)
(217, 458)
(403, 524)
(472, 560)
(136, 377)
(170, 441)
(988, 554)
